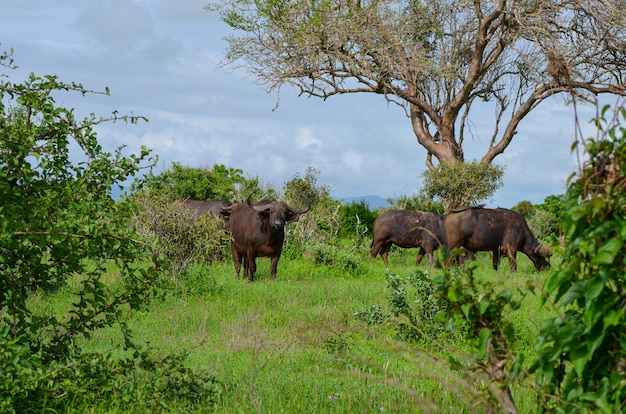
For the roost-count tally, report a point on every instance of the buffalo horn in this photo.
(543, 250)
(254, 207)
(308, 205)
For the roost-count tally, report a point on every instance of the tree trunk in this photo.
(442, 144)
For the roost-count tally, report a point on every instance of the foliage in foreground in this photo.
(581, 364)
(60, 228)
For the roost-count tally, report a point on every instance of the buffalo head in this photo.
(277, 212)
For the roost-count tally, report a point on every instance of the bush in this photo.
(462, 184)
(345, 261)
(176, 234)
(356, 221)
(59, 222)
(581, 363)
(416, 306)
(320, 223)
(183, 182)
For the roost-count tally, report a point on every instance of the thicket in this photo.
(175, 232)
(62, 230)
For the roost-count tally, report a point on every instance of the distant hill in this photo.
(373, 201)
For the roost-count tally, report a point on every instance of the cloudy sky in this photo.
(160, 59)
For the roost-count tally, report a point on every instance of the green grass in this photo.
(293, 345)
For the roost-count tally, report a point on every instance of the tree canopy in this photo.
(435, 59)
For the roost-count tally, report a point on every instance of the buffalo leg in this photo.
(496, 258)
(376, 246)
(237, 261)
(454, 255)
(513, 260)
(250, 267)
(420, 256)
(384, 252)
(274, 266)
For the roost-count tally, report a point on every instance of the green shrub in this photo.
(356, 221)
(176, 234)
(60, 223)
(416, 306)
(581, 363)
(338, 258)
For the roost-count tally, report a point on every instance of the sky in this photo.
(161, 59)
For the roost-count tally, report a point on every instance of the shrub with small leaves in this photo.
(581, 360)
(176, 233)
(60, 222)
(336, 257)
(416, 306)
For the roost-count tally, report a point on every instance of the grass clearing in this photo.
(293, 344)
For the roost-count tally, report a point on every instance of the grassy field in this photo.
(294, 345)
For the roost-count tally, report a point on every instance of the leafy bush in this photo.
(419, 202)
(335, 257)
(462, 183)
(541, 225)
(544, 219)
(479, 311)
(416, 306)
(356, 221)
(58, 222)
(581, 363)
(176, 233)
(184, 182)
(320, 223)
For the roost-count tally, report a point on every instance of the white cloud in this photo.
(352, 160)
(305, 139)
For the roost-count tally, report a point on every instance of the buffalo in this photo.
(499, 230)
(407, 228)
(215, 208)
(258, 230)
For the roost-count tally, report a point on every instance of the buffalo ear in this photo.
(292, 217)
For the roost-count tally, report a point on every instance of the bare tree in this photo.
(434, 58)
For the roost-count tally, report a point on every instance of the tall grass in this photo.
(293, 344)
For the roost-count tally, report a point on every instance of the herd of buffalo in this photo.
(258, 230)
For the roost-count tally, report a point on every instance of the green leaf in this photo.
(576, 291)
(483, 306)
(594, 287)
(613, 318)
(466, 308)
(483, 340)
(607, 252)
(579, 356)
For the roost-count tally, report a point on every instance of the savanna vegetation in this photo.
(101, 312)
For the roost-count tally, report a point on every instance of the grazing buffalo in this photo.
(407, 228)
(497, 230)
(216, 208)
(258, 230)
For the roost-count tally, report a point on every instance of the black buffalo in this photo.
(408, 228)
(499, 230)
(258, 230)
(215, 208)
